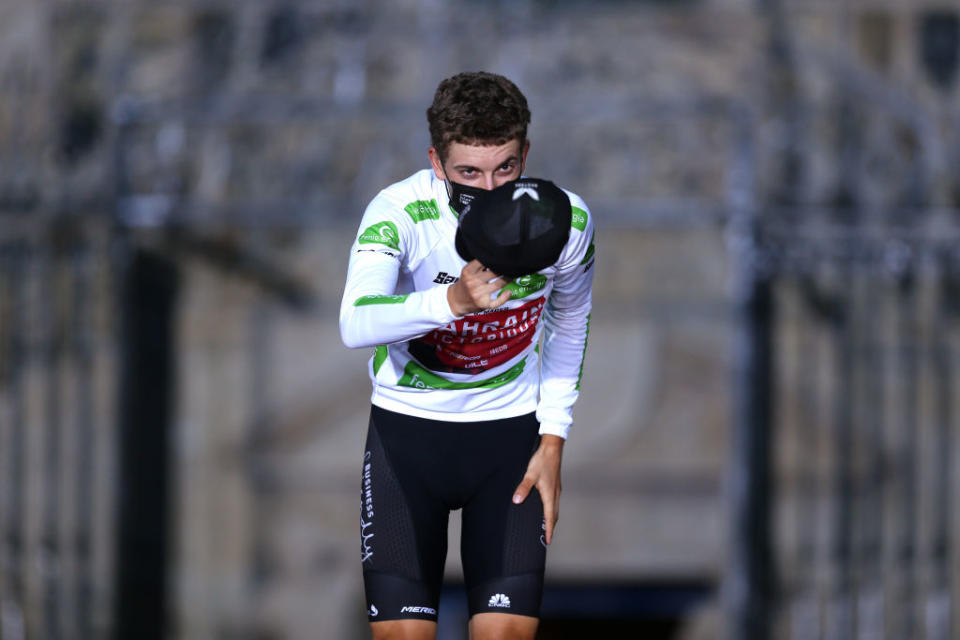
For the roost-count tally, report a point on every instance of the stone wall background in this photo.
(265, 127)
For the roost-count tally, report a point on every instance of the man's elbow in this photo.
(350, 337)
(350, 342)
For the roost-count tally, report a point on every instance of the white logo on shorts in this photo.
(499, 600)
(373, 611)
(409, 609)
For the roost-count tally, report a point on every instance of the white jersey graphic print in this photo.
(524, 356)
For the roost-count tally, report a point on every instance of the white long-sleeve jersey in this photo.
(524, 356)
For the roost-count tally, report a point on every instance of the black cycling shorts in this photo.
(415, 471)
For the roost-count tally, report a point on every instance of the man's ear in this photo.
(435, 162)
(523, 156)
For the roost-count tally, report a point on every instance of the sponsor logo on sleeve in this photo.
(375, 299)
(384, 233)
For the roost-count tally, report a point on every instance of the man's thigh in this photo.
(502, 547)
(502, 626)
(483, 626)
(404, 630)
(403, 528)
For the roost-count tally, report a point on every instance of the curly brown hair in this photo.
(477, 108)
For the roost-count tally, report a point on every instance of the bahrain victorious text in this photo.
(479, 342)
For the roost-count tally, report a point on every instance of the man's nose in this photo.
(489, 184)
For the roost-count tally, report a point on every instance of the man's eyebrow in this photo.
(462, 167)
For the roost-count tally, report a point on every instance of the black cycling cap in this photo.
(516, 229)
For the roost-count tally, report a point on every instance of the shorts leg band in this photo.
(519, 594)
(391, 597)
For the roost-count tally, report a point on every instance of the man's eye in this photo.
(467, 172)
(506, 168)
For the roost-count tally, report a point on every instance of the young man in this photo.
(474, 373)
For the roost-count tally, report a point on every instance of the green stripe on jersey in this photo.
(379, 357)
(583, 355)
(423, 210)
(419, 378)
(578, 219)
(365, 300)
(590, 250)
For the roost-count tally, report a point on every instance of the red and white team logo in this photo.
(479, 342)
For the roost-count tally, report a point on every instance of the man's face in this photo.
(483, 166)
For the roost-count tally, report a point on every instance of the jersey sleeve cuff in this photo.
(554, 429)
(440, 306)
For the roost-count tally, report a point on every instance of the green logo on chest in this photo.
(525, 285)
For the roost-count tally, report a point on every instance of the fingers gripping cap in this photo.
(519, 228)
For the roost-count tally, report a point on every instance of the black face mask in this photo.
(461, 195)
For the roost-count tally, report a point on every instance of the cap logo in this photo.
(524, 189)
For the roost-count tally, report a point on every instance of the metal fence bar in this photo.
(870, 603)
(939, 611)
(906, 552)
(822, 318)
(842, 621)
(260, 572)
(149, 293)
(13, 608)
(749, 582)
(51, 348)
(82, 496)
(750, 578)
(805, 611)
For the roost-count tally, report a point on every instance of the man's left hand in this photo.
(543, 472)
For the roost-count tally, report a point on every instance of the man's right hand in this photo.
(472, 292)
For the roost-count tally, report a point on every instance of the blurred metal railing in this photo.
(57, 355)
(865, 380)
(842, 512)
(857, 373)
